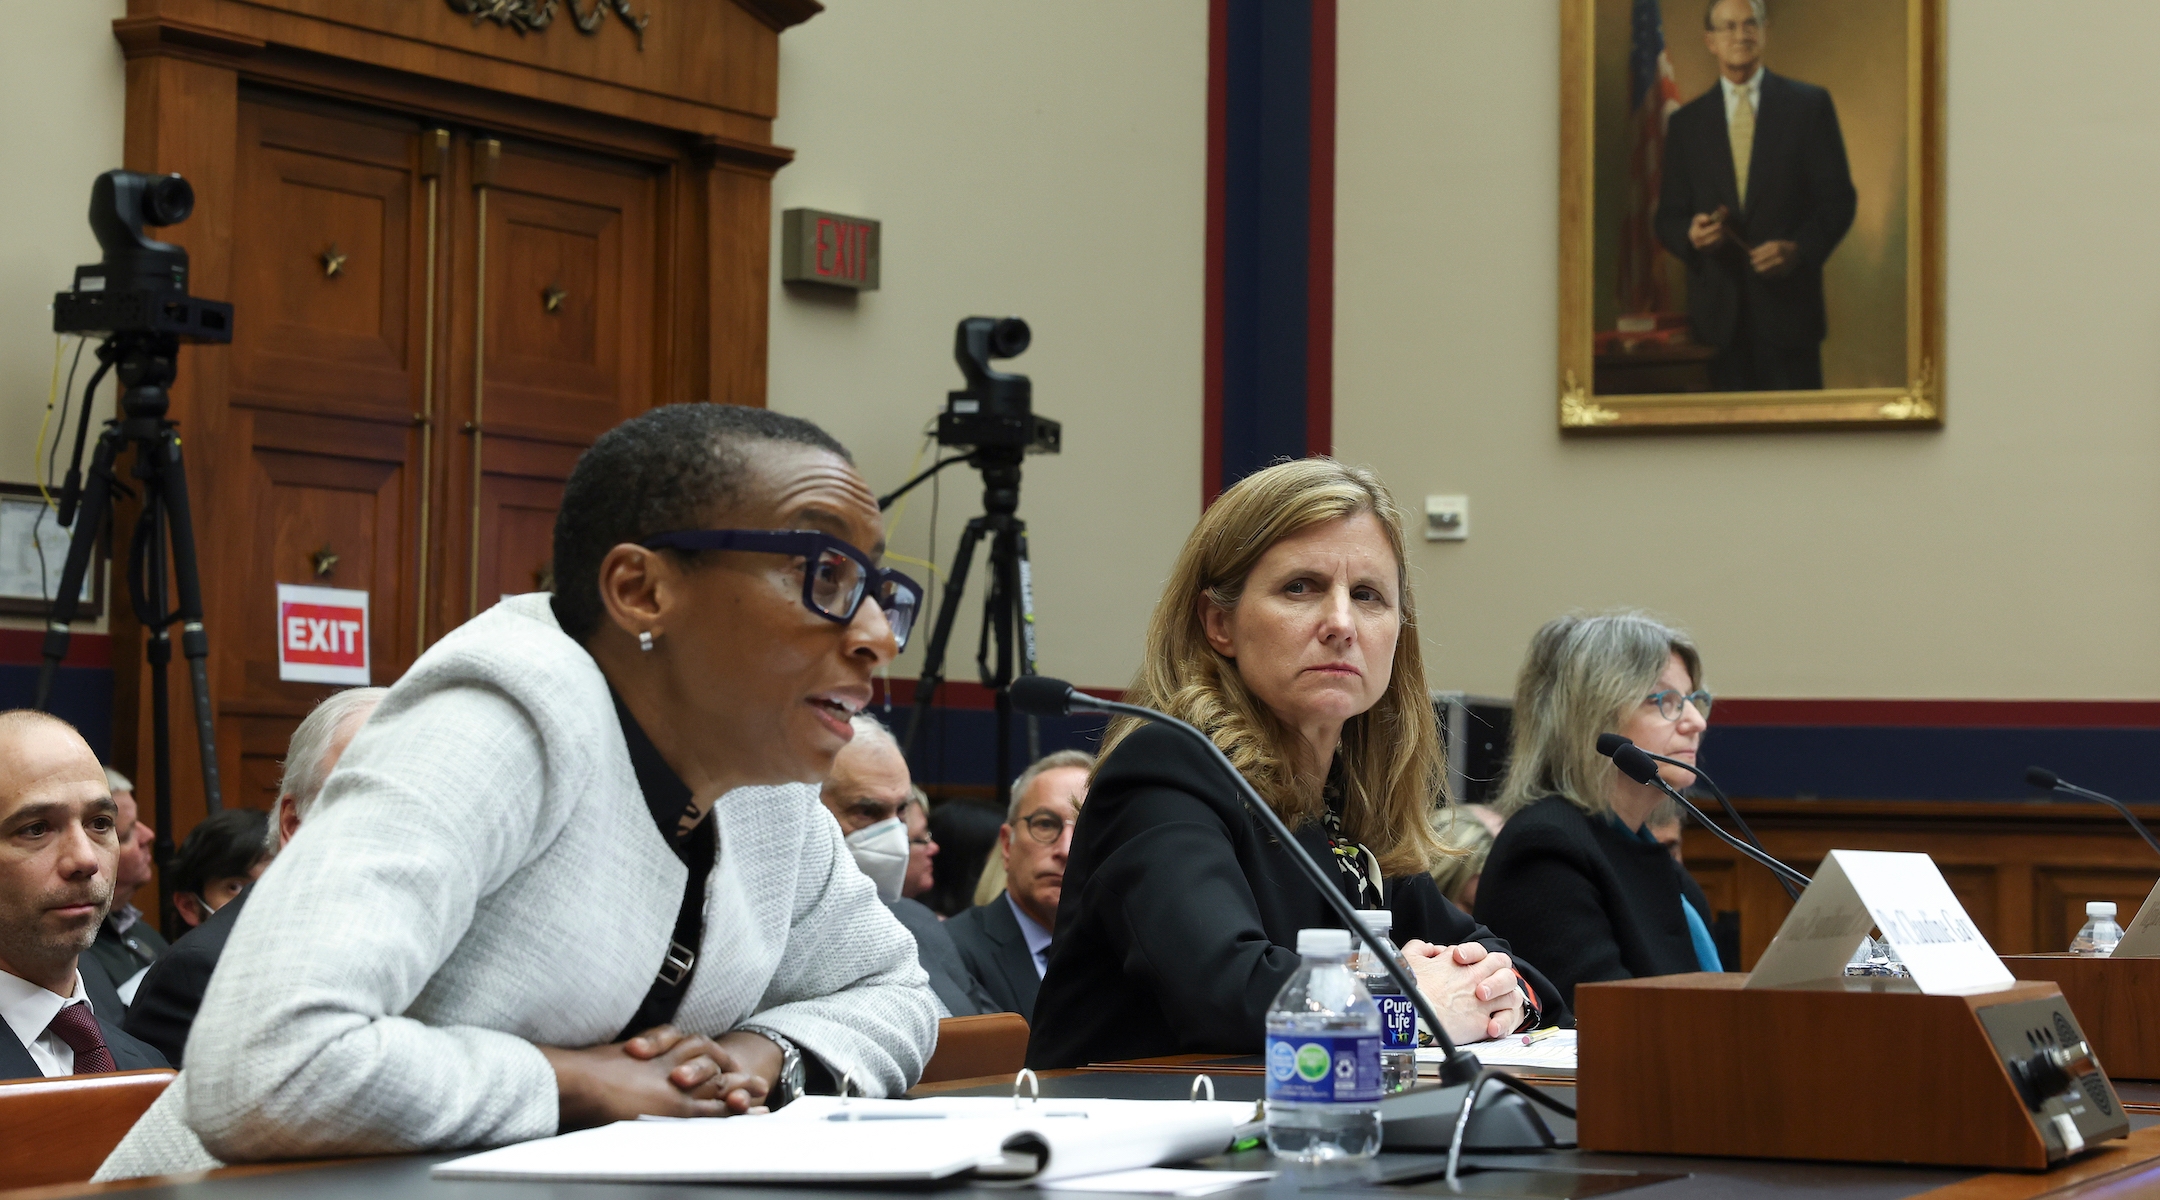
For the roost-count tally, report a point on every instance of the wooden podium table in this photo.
(2117, 1000)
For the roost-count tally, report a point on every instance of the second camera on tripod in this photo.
(996, 410)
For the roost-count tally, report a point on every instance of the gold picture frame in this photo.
(1867, 385)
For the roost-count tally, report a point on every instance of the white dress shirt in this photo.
(29, 1011)
(1753, 88)
(1038, 938)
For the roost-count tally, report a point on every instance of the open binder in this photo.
(825, 1139)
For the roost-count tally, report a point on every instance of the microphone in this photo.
(1637, 764)
(1042, 696)
(2048, 781)
(1723, 800)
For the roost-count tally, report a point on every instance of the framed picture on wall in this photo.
(33, 549)
(1750, 214)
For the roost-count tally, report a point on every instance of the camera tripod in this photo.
(1008, 606)
(146, 364)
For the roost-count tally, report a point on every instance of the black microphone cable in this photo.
(1723, 800)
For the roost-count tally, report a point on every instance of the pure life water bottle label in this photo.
(1398, 1022)
(1323, 1068)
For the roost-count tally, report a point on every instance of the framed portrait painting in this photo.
(1751, 214)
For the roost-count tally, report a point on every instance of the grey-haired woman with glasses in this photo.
(1575, 880)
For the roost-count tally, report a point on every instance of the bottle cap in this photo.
(1379, 920)
(2093, 908)
(1333, 943)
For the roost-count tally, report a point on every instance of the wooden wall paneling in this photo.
(2022, 871)
(738, 271)
(182, 116)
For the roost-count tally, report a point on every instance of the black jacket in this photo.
(1799, 189)
(1585, 898)
(996, 953)
(128, 1054)
(1180, 914)
(949, 977)
(124, 954)
(165, 1004)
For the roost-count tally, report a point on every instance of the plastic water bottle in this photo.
(1398, 1016)
(1323, 1057)
(2100, 932)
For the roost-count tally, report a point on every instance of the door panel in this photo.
(325, 280)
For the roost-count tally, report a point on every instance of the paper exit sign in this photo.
(828, 248)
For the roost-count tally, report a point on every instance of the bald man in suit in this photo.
(59, 857)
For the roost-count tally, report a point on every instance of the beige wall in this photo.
(63, 88)
(1033, 158)
(2014, 554)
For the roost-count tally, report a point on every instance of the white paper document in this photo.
(1160, 1181)
(817, 1139)
(1552, 1050)
(1904, 896)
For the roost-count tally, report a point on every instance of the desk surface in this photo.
(2123, 1168)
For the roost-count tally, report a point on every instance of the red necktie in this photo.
(78, 1027)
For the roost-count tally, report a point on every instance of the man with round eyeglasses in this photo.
(1006, 943)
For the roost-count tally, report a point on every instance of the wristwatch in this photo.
(790, 1084)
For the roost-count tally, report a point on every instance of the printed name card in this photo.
(322, 634)
(2141, 933)
(1904, 896)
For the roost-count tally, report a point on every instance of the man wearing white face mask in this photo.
(867, 792)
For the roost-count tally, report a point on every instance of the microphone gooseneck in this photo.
(2049, 781)
(1040, 695)
(1637, 764)
(1724, 802)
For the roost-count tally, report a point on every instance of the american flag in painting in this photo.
(1652, 97)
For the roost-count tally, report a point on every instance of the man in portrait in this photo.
(1755, 195)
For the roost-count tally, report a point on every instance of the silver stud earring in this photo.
(644, 640)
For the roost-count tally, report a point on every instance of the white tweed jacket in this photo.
(481, 876)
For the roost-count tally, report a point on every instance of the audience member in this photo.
(966, 831)
(922, 847)
(1576, 878)
(217, 860)
(164, 1007)
(1665, 823)
(477, 937)
(1288, 635)
(59, 858)
(1006, 941)
(869, 790)
(1468, 838)
(126, 943)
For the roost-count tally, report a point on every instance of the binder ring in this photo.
(1034, 1087)
(1200, 1081)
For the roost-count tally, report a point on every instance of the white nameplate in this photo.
(1905, 896)
(2141, 933)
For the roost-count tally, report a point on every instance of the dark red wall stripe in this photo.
(1320, 244)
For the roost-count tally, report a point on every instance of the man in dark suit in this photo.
(172, 991)
(1006, 943)
(126, 944)
(1756, 194)
(59, 857)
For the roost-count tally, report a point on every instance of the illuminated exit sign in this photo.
(828, 248)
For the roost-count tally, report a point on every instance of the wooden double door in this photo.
(432, 322)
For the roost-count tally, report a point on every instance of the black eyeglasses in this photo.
(835, 588)
(1045, 828)
(1669, 702)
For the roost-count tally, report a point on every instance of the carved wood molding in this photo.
(140, 36)
(535, 16)
(780, 14)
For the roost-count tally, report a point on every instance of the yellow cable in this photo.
(52, 396)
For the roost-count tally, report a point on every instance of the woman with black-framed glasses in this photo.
(574, 868)
(1576, 879)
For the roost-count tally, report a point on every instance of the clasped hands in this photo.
(1475, 991)
(663, 1072)
(1770, 259)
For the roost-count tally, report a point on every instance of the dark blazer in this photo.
(1587, 899)
(1180, 912)
(123, 954)
(996, 953)
(1799, 189)
(165, 1004)
(128, 1054)
(949, 977)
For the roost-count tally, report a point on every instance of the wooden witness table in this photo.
(2124, 1168)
